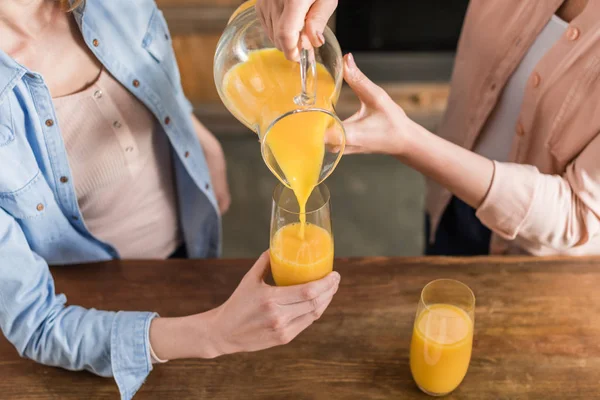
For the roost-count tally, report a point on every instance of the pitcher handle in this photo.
(308, 79)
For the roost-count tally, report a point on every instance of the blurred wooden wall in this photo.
(196, 26)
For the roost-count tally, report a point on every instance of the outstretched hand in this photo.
(380, 125)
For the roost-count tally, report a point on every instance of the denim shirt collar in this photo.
(78, 13)
(10, 73)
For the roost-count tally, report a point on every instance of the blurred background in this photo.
(407, 47)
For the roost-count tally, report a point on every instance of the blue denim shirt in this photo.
(40, 222)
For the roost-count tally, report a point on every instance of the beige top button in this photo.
(573, 33)
(536, 79)
(98, 94)
(520, 129)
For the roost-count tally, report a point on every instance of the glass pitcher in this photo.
(284, 102)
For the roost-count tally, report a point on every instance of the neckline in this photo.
(86, 90)
(558, 20)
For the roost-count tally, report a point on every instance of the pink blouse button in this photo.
(536, 79)
(520, 129)
(573, 33)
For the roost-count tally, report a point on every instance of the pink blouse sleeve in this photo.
(556, 211)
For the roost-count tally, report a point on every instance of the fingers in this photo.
(260, 268)
(289, 26)
(316, 20)
(307, 291)
(261, 13)
(286, 332)
(368, 93)
(299, 324)
(313, 307)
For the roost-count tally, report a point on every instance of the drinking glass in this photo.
(442, 337)
(301, 244)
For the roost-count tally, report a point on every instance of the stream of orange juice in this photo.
(296, 259)
(263, 88)
(441, 346)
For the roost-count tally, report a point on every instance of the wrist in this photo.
(414, 137)
(184, 337)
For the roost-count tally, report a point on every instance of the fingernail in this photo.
(321, 38)
(350, 61)
(336, 277)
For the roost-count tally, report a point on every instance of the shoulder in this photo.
(125, 17)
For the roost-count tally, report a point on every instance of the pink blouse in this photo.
(545, 199)
(122, 171)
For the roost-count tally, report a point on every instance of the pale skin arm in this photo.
(381, 126)
(213, 152)
(466, 174)
(256, 316)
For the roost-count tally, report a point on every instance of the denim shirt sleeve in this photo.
(37, 322)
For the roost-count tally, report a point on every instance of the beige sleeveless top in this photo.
(121, 166)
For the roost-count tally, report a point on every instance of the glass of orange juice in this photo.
(301, 243)
(442, 338)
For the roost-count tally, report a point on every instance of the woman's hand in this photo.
(256, 316)
(286, 20)
(215, 159)
(380, 125)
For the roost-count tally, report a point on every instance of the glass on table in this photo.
(442, 337)
(301, 243)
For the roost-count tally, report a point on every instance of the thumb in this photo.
(354, 134)
(261, 267)
(368, 93)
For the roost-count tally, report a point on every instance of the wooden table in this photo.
(537, 332)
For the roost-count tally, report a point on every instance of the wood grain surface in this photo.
(537, 332)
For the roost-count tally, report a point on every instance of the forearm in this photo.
(466, 174)
(184, 337)
(37, 322)
(511, 199)
(209, 142)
